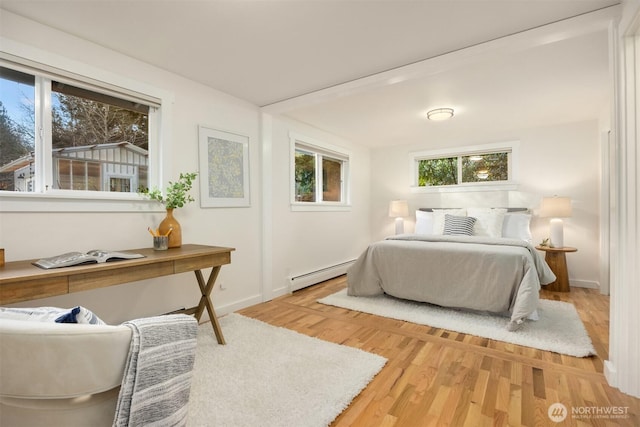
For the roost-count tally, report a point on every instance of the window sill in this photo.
(76, 202)
(319, 207)
(466, 188)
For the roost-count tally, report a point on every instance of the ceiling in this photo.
(367, 70)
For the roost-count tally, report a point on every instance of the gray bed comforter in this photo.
(484, 274)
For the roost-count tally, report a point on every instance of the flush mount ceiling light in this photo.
(440, 114)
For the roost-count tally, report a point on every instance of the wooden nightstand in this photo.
(557, 261)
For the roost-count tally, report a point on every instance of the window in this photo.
(17, 130)
(305, 176)
(319, 175)
(487, 167)
(61, 133)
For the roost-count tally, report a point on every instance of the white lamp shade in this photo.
(398, 209)
(556, 207)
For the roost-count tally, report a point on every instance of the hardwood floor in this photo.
(437, 377)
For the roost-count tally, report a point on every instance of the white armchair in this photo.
(60, 374)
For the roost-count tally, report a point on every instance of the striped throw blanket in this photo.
(157, 377)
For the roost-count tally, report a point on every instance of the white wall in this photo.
(307, 241)
(35, 235)
(562, 160)
(558, 160)
(302, 241)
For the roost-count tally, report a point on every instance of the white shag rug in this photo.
(559, 328)
(269, 376)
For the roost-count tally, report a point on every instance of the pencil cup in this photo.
(160, 243)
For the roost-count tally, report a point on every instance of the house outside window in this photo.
(320, 175)
(474, 168)
(61, 135)
(116, 167)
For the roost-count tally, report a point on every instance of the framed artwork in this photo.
(224, 169)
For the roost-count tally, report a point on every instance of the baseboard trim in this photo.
(275, 293)
(590, 284)
(234, 306)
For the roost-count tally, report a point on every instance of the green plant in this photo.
(177, 193)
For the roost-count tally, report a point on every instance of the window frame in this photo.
(45, 198)
(511, 184)
(320, 150)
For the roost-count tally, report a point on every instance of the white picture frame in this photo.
(224, 168)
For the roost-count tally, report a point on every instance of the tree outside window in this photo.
(438, 172)
(17, 130)
(305, 176)
(464, 169)
(485, 167)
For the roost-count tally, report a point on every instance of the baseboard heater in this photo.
(317, 276)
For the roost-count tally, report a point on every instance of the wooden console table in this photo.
(23, 281)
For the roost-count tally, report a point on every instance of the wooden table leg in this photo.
(205, 301)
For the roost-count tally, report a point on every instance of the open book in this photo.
(77, 258)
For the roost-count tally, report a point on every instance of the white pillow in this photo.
(516, 226)
(424, 222)
(51, 314)
(438, 218)
(38, 314)
(489, 221)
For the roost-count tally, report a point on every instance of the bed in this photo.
(491, 267)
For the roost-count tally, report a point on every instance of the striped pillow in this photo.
(458, 225)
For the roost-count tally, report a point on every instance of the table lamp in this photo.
(399, 209)
(556, 208)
